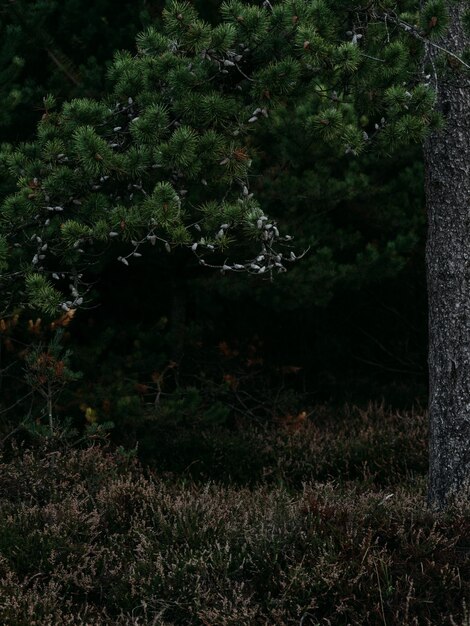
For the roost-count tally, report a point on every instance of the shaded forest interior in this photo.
(213, 317)
(349, 319)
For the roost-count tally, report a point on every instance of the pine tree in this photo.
(165, 157)
(61, 48)
(345, 252)
(447, 157)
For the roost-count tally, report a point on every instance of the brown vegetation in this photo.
(90, 537)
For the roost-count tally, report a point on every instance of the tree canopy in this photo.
(167, 155)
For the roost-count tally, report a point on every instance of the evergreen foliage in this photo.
(59, 47)
(166, 156)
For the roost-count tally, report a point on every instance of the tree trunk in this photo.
(447, 161)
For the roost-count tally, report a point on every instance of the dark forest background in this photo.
(345, 324)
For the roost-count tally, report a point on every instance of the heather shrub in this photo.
(89, 537)
(374, 444)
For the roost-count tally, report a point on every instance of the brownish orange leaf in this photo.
(59, 369)
(141, 388)
(240, 154)
(232, 381)
(63, 320)
(156, 377)
(35, 327)
(292, 422)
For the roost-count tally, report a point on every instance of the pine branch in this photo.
(45, 40)
(414, 32)
(55, 55)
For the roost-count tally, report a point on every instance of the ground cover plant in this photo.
(91, 537)
(372, 445)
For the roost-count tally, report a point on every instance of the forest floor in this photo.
(318, 521)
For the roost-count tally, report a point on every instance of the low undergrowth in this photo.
(90, 537)
(373, 445)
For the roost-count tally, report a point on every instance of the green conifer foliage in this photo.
(59, 47)
(165, 158)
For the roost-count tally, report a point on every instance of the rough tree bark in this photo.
(447, 162)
